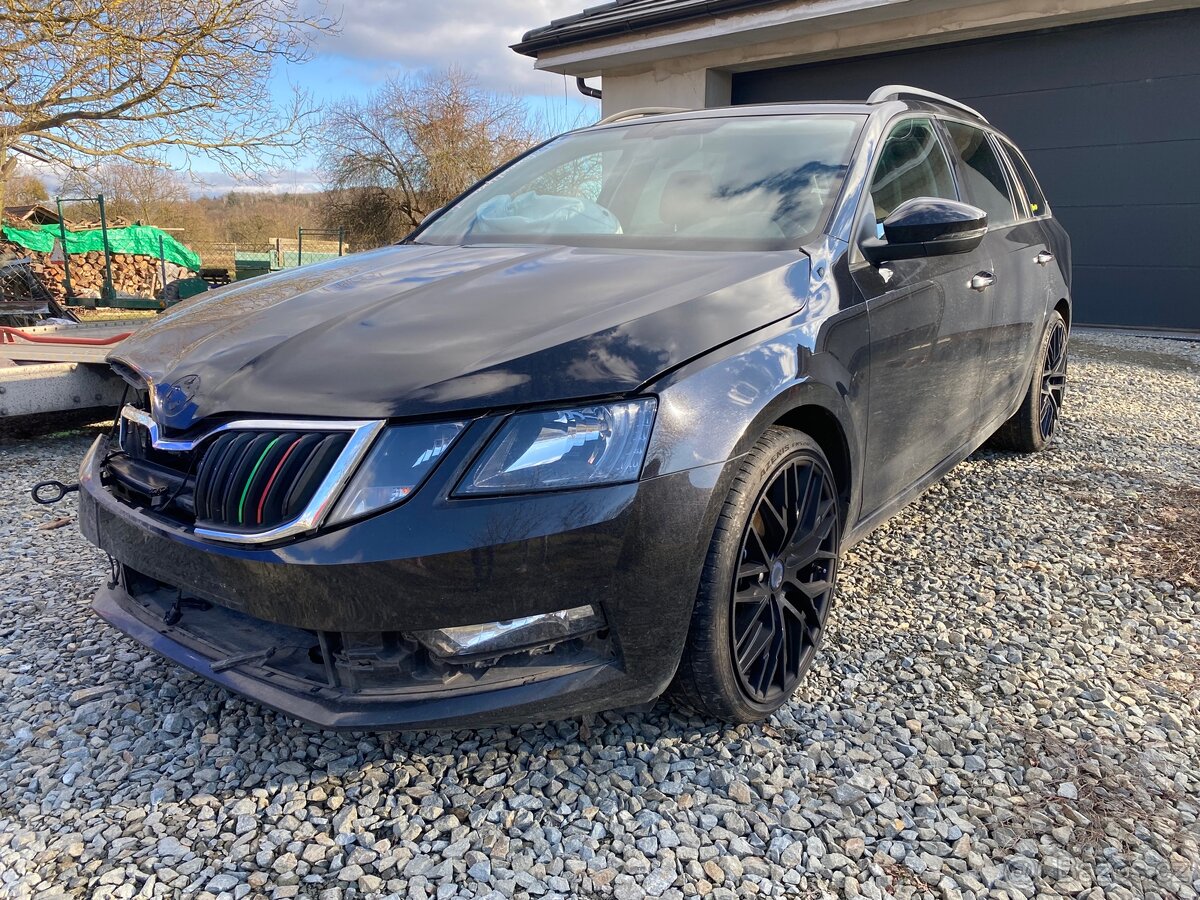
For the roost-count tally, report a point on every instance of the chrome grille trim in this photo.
(362, 434)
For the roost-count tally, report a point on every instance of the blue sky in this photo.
(380, 38)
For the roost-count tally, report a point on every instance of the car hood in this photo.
(421, 330)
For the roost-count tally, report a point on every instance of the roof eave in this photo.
(557, 35)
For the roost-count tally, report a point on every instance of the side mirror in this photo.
(927, 226)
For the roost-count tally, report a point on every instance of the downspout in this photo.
(587, 91)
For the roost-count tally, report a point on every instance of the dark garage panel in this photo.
(1100, 115)
(1129, 235)
(1070, 170)
(1106, 113)
(1128, 288)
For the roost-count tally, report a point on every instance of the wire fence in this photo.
(224, 261)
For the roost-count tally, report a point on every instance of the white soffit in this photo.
(757, 37)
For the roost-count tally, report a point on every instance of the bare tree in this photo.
(24, 187)
(124, 79)
(136, 191)
(412, 146)
(370, 216)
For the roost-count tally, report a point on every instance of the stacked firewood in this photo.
(139, 276)
(50, 275)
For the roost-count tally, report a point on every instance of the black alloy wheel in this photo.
(1054, 379)
(768, 582)
(1034, 424)
(784, 582)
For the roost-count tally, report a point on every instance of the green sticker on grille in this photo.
(250, 480)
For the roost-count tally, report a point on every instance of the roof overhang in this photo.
(35, 213)
(746, 35)
(617, 18)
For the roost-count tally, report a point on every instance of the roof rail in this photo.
(639, 112)
(897, 91)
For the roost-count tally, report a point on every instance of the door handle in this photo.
(981, 281)
(1044, 258)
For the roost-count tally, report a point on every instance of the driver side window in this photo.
(911, 163)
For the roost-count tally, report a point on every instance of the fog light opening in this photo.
(528, 634)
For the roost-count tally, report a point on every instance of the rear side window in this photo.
(984, 184)
(1033, 192)
(911, 164)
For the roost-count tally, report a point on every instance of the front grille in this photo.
(260, 479)
(243, 481)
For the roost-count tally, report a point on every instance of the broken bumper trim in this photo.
(341, 710)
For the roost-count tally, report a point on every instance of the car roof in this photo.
(885, 109)
(887, 105)
(843, 107)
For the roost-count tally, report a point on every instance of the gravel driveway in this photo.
(1007, 706)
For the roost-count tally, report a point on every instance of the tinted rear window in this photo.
(982, 175)
(1033, 193)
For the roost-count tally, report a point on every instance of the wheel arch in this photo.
(824, 427)
(1063, 308)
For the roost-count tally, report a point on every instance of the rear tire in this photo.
(1033, 426)
(767, 585)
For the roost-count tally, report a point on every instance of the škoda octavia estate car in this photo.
(596, 431)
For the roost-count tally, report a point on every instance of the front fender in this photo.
(714, 409)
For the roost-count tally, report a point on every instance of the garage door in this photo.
(1109, 115)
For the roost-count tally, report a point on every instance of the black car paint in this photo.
(461, 560)
(385, 328)
(900, 379)
(927, 226)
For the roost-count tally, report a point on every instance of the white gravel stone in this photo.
(1006, 705)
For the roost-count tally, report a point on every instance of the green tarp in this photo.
(139, 239)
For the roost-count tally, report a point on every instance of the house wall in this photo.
(690, 89)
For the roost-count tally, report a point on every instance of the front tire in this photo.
(767, 585)
(1033, 426)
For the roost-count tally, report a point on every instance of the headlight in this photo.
(564, 448)
(401, 459)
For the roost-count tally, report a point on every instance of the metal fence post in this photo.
(108, 292)
(162, 263)
(300, 246)
(62, 230)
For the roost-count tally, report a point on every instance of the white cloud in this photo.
(473, 34)
(278, 181)
(51, 175)
(199, 181)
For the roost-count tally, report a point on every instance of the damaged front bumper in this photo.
(335, 628)
(374, 682)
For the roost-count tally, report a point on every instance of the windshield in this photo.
(748, 182)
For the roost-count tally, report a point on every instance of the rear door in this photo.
(1032, 205)
(928, 329)
(1018, 293)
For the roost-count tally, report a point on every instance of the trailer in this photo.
(60, 367)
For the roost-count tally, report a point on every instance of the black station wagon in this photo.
(597, 430)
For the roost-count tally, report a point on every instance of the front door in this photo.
(928, 328)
